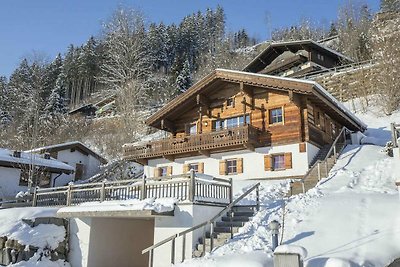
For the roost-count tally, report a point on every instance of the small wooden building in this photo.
(245, 126)
(296, 59)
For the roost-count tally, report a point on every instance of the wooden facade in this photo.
(296, 58)
(230, 110)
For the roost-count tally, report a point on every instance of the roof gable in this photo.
(268, 55)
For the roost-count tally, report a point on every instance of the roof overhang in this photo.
(275, 49)
(51, 169)
(299, 86)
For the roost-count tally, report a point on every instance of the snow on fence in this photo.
(182, 187)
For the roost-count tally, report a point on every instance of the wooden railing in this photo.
(182, 187)
(198, 142)
(209, 223)
(322, 166)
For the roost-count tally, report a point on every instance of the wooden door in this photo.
(79, 171)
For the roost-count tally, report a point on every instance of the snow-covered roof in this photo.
(69, 145)
(8, 160)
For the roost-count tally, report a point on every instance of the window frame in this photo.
(270, 117)
(273, 159)
(163, 171)
(223, 123)
(233, 168)
(194, 166)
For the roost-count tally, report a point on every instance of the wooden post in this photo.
(34, 200)
(334, 153)
(303, 186)
(200, 130)
(326, 169)
(69, 195)
(192, 186)
(143, 193)
(230, 220)
(183, 247)
(103, 192)
(244, 110)
(211, 236)
(319, 170)
(230, 190)
(258, 198)
(394, 134)
(204, 240)
(173, 251)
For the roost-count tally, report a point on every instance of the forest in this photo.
(144, 65)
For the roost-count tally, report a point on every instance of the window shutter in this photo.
(169, 170)
(157, 172)
(239, 166)
(288, 160)
(222, 167)
(185, 168)
(302, 147)
(268, 162)
(201, 167)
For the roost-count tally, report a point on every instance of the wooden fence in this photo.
(182, 187)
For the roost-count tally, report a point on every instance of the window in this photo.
(194, 166)
(278, 162)
(163, 171)
(192, 129)
(24, 178)
(230, 122)
(320, 57)
(275, 115)
(231, 166)
(230, 102)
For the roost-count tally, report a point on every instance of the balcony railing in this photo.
(218, 140)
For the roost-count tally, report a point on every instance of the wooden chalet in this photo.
(296, 59)
(280, 123)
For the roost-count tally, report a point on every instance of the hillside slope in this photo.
(351, 218)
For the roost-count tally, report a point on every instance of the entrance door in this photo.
(78, 171)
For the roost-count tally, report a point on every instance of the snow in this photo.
(43, 236)
(30, 158)
(158, 205)
(12, 226)
(290, 249)
(350, 218)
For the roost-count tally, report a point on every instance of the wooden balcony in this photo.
(245, 136)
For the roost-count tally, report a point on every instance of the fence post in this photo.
(258, 198)
(69, 195)
(303, 186)
(151, 256)
(230, 190)
(103, 192)
(143, 193)
(183, 247)
(334, 153)
(326, 169)
(319, 170)
(192, 186)
(34, 200)
(211, 236)
(173, 251)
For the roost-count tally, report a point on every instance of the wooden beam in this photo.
(205, 153)
(249, 146)
(291, 95)
(142, 161)
(203, 100)
(167, 125)
(200, 124)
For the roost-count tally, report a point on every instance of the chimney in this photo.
(16, 154)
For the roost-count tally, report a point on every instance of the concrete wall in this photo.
(9, 182)
(104, 242)
(253, 162)
(186, 216)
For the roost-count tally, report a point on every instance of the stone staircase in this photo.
(222, 228)
(311, 179)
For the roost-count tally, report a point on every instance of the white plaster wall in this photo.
(186, 216)
(92, 165)
(253, 162)
(9, 182)
(79, 239)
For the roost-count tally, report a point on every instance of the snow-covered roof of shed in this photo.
(8, 160)
(69, 145)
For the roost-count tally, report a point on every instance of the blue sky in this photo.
(49, 26)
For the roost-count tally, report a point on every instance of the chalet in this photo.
(85, 161)
(296, 59)
(16, 167)
(244, 126)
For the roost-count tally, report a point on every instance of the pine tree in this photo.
(184, 79)
(4, 113)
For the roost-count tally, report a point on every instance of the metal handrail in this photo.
(317, 164)
(203, 224)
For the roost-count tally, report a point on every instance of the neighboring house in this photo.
(16, 167)
(85, 161)
(296, 59)
(244, 126)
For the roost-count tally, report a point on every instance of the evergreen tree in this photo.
(184, 79)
